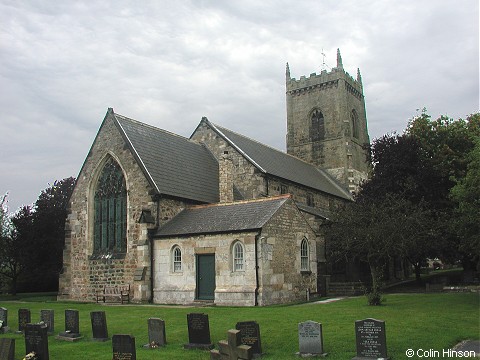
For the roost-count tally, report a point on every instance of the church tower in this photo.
(327, 123)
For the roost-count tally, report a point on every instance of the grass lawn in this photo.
(413, 321)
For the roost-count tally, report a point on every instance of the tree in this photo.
(374, 229)
(49, 223)
(446, 145)
(466, 194)
(33, 238)
(15, 243)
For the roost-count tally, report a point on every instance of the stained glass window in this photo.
(110, 210)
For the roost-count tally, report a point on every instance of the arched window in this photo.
(177, 259)
(354, 121)
(317, 127)
(304, 255)
(238, 256)
(110, 210)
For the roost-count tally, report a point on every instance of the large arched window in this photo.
(304, 255)
(354, 122)
(177, 259)
(110, 210)
(317, 126)
(238, 256)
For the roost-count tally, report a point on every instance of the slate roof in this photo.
(227, 217)
(174, 165)
(274, 162)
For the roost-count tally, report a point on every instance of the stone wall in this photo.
(280, 275)
(232, 288)
(247, 179)
(84, 274)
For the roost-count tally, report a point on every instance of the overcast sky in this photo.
(168, 63)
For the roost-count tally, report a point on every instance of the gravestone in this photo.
(7, 349)
(99, 325)
(156, 333)
(36, 340)
(371, 339)
(72, 326)
(24, 318)
(4, 321)
(250, 335)
(232, 349)
(123, 347)
(310, 339)
(48, 318)
(198, 332)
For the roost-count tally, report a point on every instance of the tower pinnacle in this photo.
(287, 72)
(339, 59)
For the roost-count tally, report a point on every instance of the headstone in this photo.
(123, 347)
(99, 325)
(7, 349)
(310, 339)
(198, 332)
(24, 318)
(232, 349)
(371, 339)
(250, 335)
(36, 340)
(4, 321)
(48, 318)
(72, 326)
(156, 333)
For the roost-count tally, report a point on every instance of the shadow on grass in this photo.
(30, 297)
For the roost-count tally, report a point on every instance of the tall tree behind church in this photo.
(47, 241)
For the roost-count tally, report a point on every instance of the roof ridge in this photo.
(265, 145)
(155, 128)
(238, 202)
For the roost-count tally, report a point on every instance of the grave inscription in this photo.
(198, 332)
(123, 347)
(370, 339)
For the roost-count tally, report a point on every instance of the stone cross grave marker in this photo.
(4, 320)
(156, 333)
(7, 349)
(24, 318)
(310, 338)
(123, 347)
(250, 335)
(232, 349)
(99, 325)
(198, 332)
(371, 339)
(48, 318)
(36, 340)
(72, 326)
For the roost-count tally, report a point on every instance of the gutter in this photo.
(257, 283)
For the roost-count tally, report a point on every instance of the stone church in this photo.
(217, 217)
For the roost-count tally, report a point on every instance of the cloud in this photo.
(170, 63)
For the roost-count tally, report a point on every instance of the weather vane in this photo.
(324, 65)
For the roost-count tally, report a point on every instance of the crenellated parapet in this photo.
(326, 80)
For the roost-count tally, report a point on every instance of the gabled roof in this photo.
(277, 163)
(225, 217)
(173, 164)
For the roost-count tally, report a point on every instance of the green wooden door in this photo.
(206, 277)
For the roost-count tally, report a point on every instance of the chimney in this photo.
(225, 178)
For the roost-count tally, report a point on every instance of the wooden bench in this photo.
(120, 292)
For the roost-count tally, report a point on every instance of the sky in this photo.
(169, 63)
